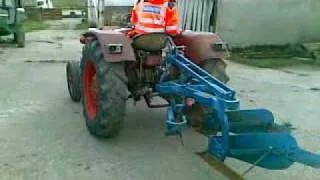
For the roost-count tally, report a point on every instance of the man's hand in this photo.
(131, 33)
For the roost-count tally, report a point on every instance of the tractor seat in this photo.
(153, 42)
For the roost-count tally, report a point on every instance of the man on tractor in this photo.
(155, 16)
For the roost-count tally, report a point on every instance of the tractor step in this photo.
(150, 105)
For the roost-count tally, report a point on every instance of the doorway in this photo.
(200, 15)
(214, 16)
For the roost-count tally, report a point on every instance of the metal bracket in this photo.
(148, 102)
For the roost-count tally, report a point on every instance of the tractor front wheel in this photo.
(73, 80)
(104, 92)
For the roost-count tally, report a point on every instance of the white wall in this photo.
(120, 2)
(252, 22)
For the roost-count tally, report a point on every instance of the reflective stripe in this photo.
(164, 10)
(152, 21)
(149, 30)
(162, 13)
(140, 11)
(171, 28)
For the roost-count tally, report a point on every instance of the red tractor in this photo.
(113, 64)
(188, 71)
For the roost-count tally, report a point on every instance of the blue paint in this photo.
(250, 120)
(284, 150)
(252, 136)
(247, 135)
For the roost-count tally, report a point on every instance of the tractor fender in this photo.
(199, 46)
(108, 38)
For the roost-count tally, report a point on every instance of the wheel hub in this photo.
(90, 89)
(94, 86)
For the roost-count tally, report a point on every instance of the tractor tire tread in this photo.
(197, 115)
(112, 97)
(217, 68)
(73, 72)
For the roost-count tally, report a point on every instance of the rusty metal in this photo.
(198, 46)
(113, 37)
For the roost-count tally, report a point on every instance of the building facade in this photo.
(254, 22)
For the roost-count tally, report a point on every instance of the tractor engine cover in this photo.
(152, 60)
(116, 46)
(200, 46)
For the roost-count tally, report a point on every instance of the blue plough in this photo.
(248, 135)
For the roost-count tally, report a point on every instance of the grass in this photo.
(82, 25)
(273, 56)
(265, 63)
(32, 25)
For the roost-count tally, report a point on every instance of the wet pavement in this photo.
(43, 134)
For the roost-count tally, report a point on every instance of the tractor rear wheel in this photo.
(217, 68)
(73, 80)
(196, 114)
(104, 92)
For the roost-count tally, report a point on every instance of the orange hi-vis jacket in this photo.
(155, 16)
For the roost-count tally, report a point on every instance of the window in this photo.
(9, 3)
(40, 3)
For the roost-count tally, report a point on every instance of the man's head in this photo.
(172, 3)
(157, 1)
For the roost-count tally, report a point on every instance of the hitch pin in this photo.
(257, 162)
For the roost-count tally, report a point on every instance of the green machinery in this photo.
(12, 15)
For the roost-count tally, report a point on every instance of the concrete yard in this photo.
(43, 134)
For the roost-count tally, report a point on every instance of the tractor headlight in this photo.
(115, 48)
(220, 46)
